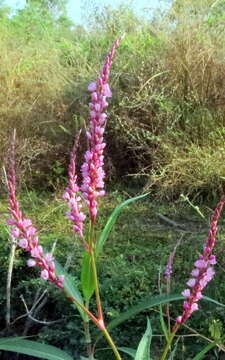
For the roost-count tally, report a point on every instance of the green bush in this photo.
(167, 112)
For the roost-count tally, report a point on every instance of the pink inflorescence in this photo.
(169, 268)
(92, 169)
(26, 234)
(203, 271)
(71, 194)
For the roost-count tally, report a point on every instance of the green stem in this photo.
(169, 343)
(97, 292)
(99, 325)
(94, 269)
(111, 343)
(87, 335)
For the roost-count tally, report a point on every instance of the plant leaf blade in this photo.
(70, 288)
(87, 278)
(143, 350)
(129, 351)
(201, 354)
(143, 305)
(111, 221)
(32, 348)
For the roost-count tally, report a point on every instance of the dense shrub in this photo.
(167, 115)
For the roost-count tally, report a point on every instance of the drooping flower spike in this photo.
(203, 271)
(25, 233)
(92, 168)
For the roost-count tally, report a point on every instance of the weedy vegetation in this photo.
(164, 140)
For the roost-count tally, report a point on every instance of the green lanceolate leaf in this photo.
(143, 305)
(129, 351)
(213, 301)
(87, 278)
(70, 288)
(201, 354)
(148, 303)
(111, 221)
(143, 350)
(33, 348)
(163, 324)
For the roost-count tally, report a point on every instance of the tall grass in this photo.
(167, 116)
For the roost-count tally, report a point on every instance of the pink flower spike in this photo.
(22, 228)
(204, 272)
(71, 195)
(92, 169)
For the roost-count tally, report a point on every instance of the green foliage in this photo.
(202, 353)
(143, 350)
(128, 270)
(167, 116)
(70, 289)
(87, 278)
(111, 221)
(33, 348)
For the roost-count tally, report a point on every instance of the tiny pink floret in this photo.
(44, 274)
(31, 262)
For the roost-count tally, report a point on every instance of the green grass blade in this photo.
(70, 288)
(87, 278)
(32, 348)
(129, 351)
(163, 324)
(111, 221)
(143, 305)
(143, 350)
(200, 355)
(213, 301)
(173, 353)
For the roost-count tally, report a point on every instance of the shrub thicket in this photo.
(167, 114)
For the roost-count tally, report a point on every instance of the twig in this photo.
(169, 221)
(29, 314)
